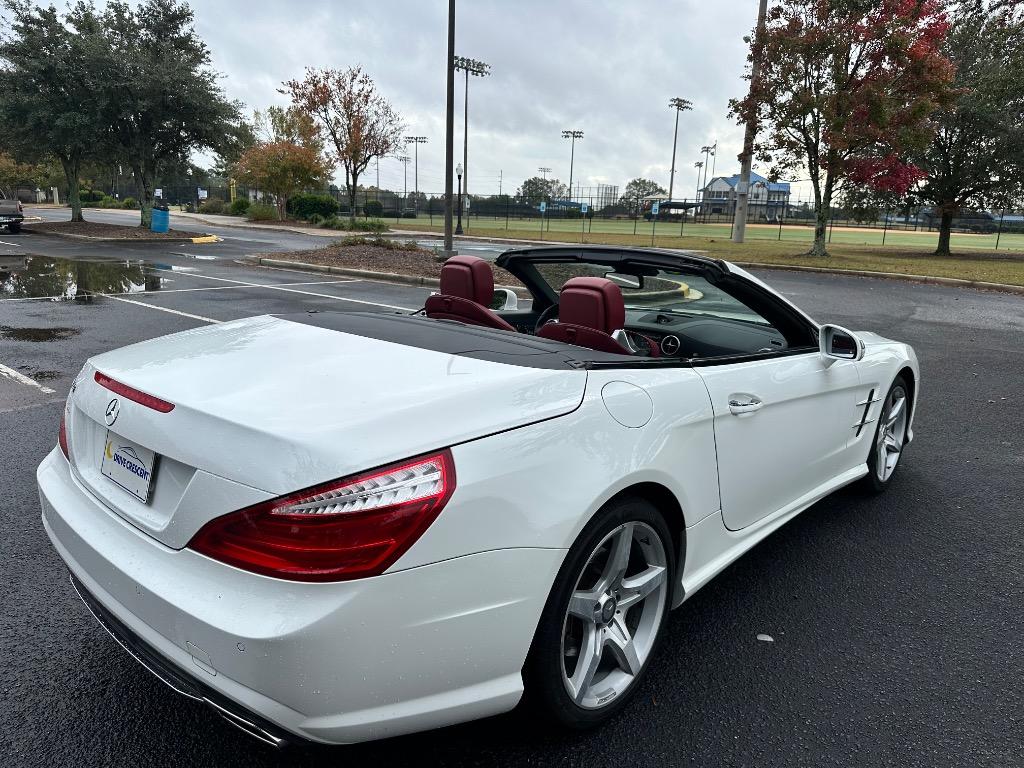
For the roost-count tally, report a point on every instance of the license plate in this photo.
(129, 465)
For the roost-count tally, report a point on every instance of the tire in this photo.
(890, 438)
(14, 228)
(556, 685)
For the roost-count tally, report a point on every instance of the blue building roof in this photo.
(756, 178)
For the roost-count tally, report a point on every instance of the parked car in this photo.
(343, 526)
(11, 215)
(409, 213)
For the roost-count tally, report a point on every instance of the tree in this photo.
(537, 189)
(846, 91)
(637, 189)
(13, 173)
(281, 168)
(165, 101)
(353, 118)
(977, 155)
(51, 102)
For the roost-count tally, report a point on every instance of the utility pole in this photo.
(416, 141)
(477, 69)
(449, 131)
(739, 228)
(573, 135)
(679, 105)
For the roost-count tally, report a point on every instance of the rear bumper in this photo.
(334, 663)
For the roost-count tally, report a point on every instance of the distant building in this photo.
(768, 200)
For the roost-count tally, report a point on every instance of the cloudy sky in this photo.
(606, 68)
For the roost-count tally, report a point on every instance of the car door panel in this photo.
(781, 429)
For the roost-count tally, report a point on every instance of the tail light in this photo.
(346, 529)
(62, 437)
(133, 394)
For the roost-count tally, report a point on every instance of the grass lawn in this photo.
(975, 257)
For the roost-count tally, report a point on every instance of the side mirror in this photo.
(504, 299)
(837, 343)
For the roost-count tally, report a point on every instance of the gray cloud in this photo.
(607, 68)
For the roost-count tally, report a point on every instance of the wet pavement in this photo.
(897, 619)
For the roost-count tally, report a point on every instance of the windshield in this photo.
(658, 290)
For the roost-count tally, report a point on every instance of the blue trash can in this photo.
(161, 218)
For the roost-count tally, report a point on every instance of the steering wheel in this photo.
(544, 317)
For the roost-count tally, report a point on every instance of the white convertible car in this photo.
(336, 527)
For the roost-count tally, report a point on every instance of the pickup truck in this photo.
(11, 215)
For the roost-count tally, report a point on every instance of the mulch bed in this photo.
(96, 229)
(419, 263)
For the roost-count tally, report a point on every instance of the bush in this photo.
(380, 242)
(373, 208)
(239, 206)
(90, 196)
(371, 225)
(316, 219)
(130, 204)
(306, 206)
(262, 212)
(346, 225)
(212, 206)
(109, 202)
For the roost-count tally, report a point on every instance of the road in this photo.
(897, 620)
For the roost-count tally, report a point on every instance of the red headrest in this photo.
(468, 278)
(593, 302)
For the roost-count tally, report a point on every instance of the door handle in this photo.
(741, 404)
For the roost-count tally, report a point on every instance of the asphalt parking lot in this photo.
(897, 620)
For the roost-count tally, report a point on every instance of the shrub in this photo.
(371, 225)
(239, 206)
(373, 208)
(130, 203)
(316, 219)
(262, 212)
(90, 196)
(346, 225)
(380, 242)
(306, 206)
(212, 206)
(333, 222)
(109, 202)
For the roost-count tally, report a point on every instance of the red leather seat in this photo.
(590, 309)
(467, 287)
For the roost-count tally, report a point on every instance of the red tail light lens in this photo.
(133, 394)
(345, 529)
(62, 438)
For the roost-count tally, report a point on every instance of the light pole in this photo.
(572, 135)
(477, 69)
(698, 165)
(449, 130)
(544, 172)
(416, 141)
(458, 172)
(404, 160)
(679, 105)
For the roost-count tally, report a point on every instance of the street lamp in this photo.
(416, 141)
(477, 69)
(573, 135)
(679, 105)
(458, 172)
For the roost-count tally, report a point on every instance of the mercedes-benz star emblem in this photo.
(113, 408)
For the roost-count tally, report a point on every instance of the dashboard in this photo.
(696, 336)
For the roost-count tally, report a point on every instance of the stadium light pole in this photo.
(449, 130)
(739, 228)
(573, 135)
(698, 165)
(679, 105)
(416, 141)
(544, 172)
(404, 160)
(477, 69)
(458, 172)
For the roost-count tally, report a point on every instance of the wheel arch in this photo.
(908, 375)
(665, 501)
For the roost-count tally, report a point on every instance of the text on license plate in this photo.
(129, 465)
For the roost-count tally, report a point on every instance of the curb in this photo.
(952, 282)
(90, 239)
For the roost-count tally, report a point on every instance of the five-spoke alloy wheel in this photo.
(605, 615)
(890, 436)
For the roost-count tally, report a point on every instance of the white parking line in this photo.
(305, 293)
(21, 378)
(15, 245)
(161, 309)
(181, 290)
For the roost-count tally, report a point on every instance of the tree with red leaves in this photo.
(976, 157)
(847, 89)
(355, 120)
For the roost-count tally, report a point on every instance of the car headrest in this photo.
(593, 302)
(468, 278)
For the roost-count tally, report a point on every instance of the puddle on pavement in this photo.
(36, 334)
(45, 277)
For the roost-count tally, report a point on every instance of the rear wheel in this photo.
(890, 437)
(605, 616)
(14, 228)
